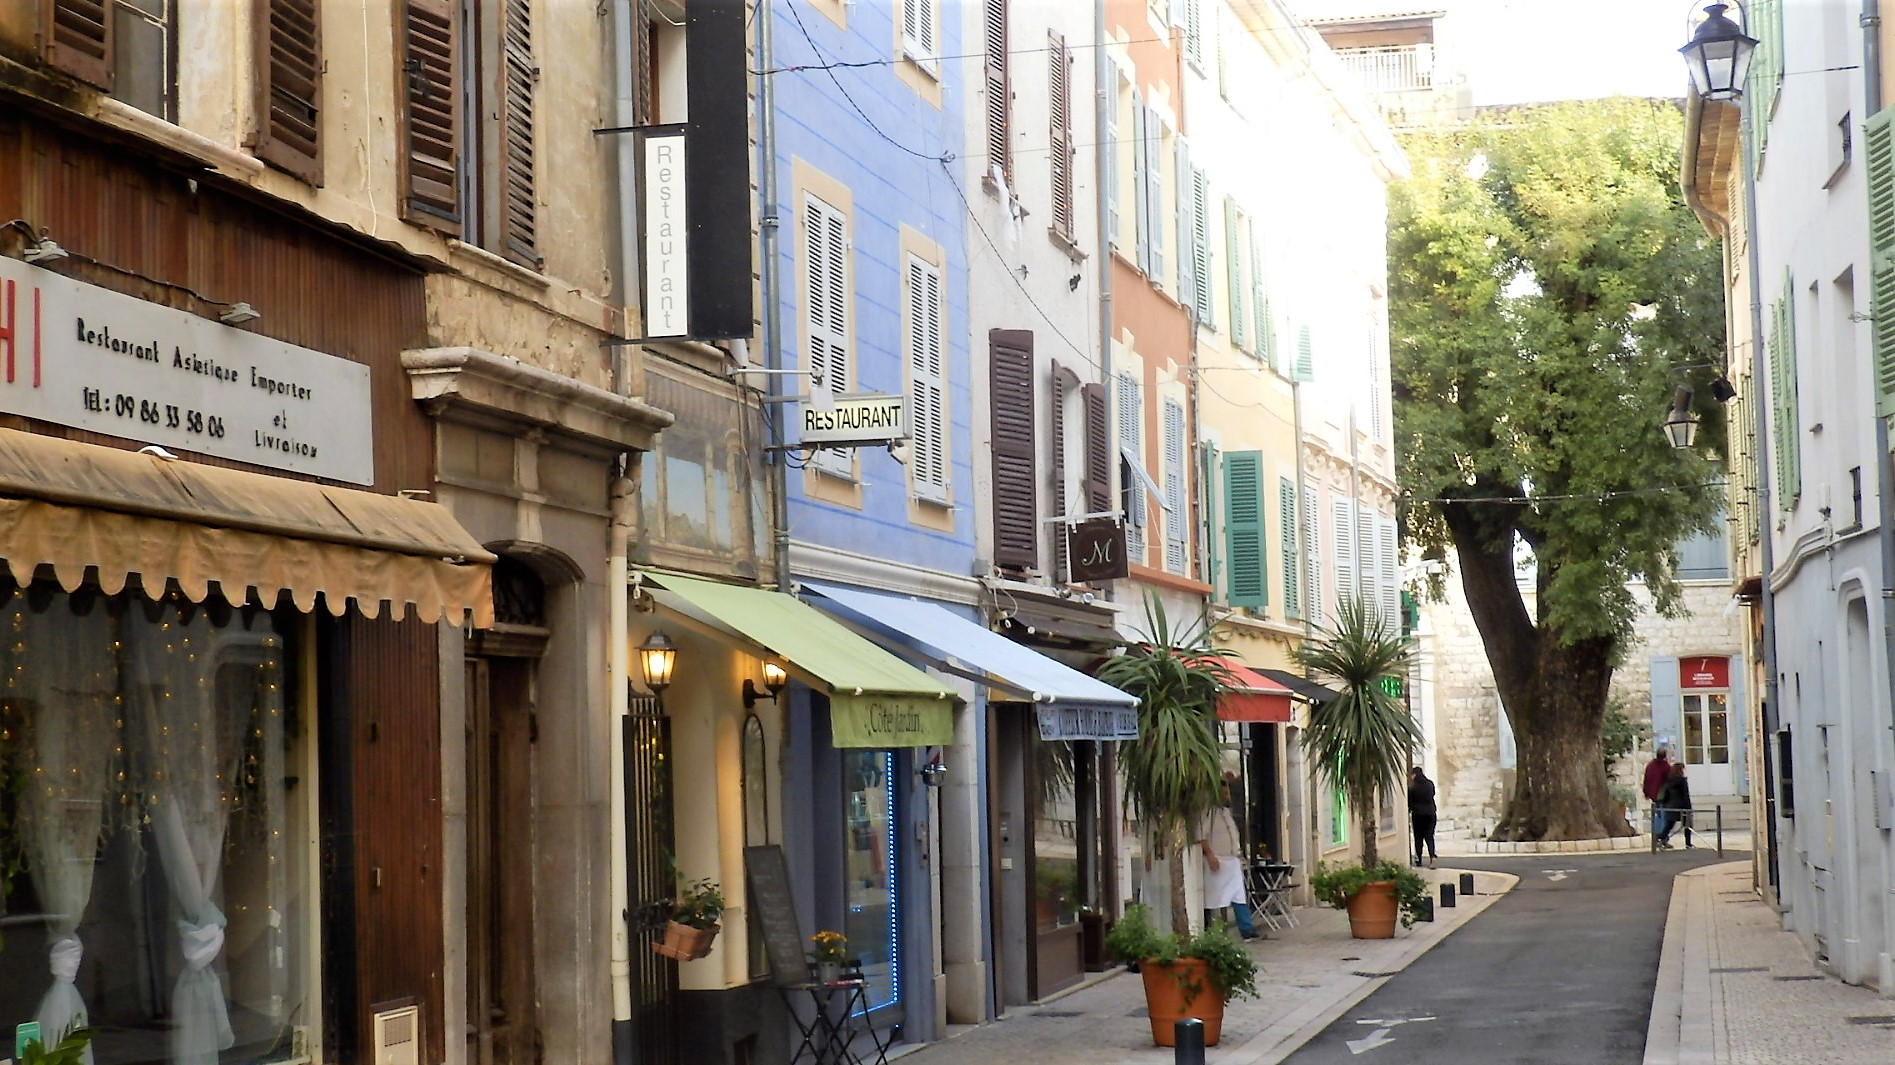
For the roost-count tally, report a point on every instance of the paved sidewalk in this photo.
(1734, 988)
(1307, 977)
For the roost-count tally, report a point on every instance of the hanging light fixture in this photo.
(657, 656)
(774, 678)
(1680, 427)
(1718, 55)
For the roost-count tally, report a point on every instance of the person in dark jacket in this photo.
(1674, 799)
(1421, 814)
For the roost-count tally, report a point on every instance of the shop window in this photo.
(158, 805)
(869, 857)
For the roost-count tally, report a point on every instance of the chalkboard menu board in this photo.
(776, 911)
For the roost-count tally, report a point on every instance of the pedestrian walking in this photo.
(1224, 883)
(1674, 801)
(1656, 771)
(1421, 814)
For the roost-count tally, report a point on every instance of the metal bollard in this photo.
(1427, 910)
(1467, 883)
(1447, 896)
(1188, 1033)
(1720, 830)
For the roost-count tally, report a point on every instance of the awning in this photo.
(75, 506)
(1313, 691)
(1070, 704)
(1249, 696)
(875, 699)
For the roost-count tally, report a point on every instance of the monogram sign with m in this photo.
(1095, 550)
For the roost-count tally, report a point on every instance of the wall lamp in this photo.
(39, 248)
(238, 313)
(1680, 427)
(774, 678)
(1718, 55)
(657, 657)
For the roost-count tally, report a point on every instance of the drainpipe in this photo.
(1884, 475)
(1105, 98)
(767, 226)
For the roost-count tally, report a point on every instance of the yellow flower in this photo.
(829, 946)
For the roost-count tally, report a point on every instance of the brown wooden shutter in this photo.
(431, 114)
(1059, 60)
(289, 86)
(999, 98)
(1016, 503)
(76, 37)
(1099, 454)
(518, 223)
(1056, 400)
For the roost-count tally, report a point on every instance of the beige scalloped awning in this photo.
(74, 507)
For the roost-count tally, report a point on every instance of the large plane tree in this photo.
(1549, 292)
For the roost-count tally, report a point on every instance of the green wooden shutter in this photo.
(1234, 271)
(1879, 146)
(1288, 528)
(1305, 356)
(1209, 459)
(1786, 430)
(1243, 529)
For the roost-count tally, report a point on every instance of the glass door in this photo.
(869, 871)
(1707, 753)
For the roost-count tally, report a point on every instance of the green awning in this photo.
(875, 699)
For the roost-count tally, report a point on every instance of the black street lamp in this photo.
(1719, 54)
(1680, 427)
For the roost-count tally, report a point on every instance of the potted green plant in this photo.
(1171, 771)
(1178, 970)
(693, 926)
(70, 1050)
(1361, 739)
(1375, 896)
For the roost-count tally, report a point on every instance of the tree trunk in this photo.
(1175, 850)
(1369, 823)
(1553, 691)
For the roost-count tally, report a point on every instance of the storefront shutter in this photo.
(1015, 499)
(1666, 725)
(518, 207)
(1243, 529)
(1878, 144)
(999, 103)
(289, 86)
(431, 114)
(1099, 451)
(77, 38)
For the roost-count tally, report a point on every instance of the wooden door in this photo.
(502, 1028)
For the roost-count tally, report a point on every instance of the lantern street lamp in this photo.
(1680, 427)
(657, 656)
(1718, 55)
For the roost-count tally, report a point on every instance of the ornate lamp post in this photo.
(1718, 54)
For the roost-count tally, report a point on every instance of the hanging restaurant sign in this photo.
(88, 357)
(881, 721)
(664, 220)
(1095, 550)
(856, 419)
(1082, 721)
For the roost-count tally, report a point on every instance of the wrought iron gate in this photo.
(649, 887)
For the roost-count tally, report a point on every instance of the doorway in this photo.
(1706, 743)
(502, 1027)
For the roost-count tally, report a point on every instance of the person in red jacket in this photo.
(1656, 771)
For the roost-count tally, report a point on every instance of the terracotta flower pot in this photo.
(1177, 990)
(1372, 911)
(686, 943)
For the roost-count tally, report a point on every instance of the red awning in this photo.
(1251, 696)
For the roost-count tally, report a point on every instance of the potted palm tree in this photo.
(1361, 741)
(1171, 772)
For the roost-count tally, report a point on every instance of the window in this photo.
(1784, 422)
(1247, 579)
(1060, 134)
(1015, 477)
(1177, 523)
(994, 71)
(1202, 297)
(1152, 169)
(472, 177)
(1292, 558)
(159, 816)
(289, 86)
(1193, 14)
(826, 344)
(927, 382)
(124, 47)
(919, 25)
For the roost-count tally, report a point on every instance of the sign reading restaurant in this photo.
(863, 418)
(84, 356)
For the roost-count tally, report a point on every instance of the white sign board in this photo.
(662, 201)
(856, 419)
(80, 355)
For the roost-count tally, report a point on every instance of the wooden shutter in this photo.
(826, 312)
(918, 20)
(1387, 583)
(1111, 149)
(1187, 259)
(1312, 557)
(927, 381)
(1177, 510)
(1099, 450)
(1243, 529)
(1786, 430)
(1141, 203)
(431, 114)
(1132, 502)
(1364, 554)
(1878, 145)
(76, 37)
(1305, 355)
(1234, 277)
(1194, 32)
(289, 86)
(1056, 430)
(1266, 329)
(1289, 531)
(1201, 288)
(1015, 496)
(999, 97)
(1210, 555)
(1342, 517)
(1060, 132)
(1155, 189)
(518, 74)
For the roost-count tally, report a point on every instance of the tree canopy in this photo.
(1549, 290)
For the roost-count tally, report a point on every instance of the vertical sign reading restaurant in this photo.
(664, 215)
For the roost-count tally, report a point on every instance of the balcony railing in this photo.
(1404, 68)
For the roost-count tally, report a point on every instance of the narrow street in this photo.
(1559, 971)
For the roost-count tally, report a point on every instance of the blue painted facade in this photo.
(840, 123)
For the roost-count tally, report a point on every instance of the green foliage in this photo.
(699, 905)
(1337, 884)
(70, 1050)
(1548, 289)
(1171, 771)
(1232, 970)
(1361, 739)
(1618, 734)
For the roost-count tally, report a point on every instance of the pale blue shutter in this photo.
(1234, 271)
(1667, 727)
(1141, 128)
(1738, 722)
(1155, 189)
(1201, 286)
(1289, 530)
(1187, 260)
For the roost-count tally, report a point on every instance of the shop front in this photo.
(826, 771)
(1253, 712)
